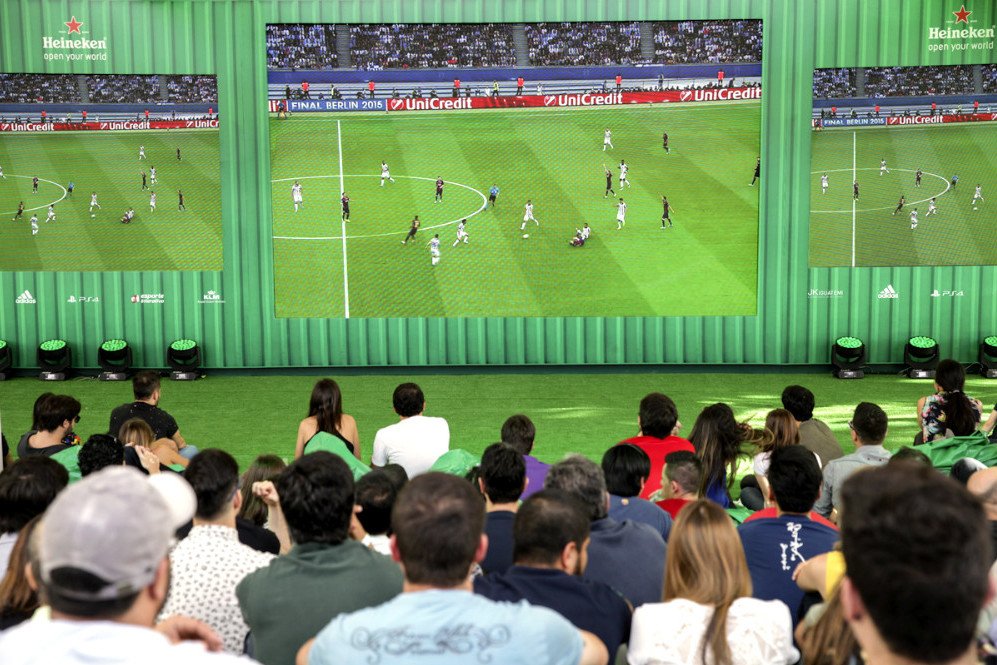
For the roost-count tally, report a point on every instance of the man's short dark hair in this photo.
(27, 487)
(397, 474)
(317, 496)
(794, 476)
(545, 524)
(376, 494)
(145, 383)
(869, 423)
(684, 468)
(917, 550)
(408, 400)
(910, 455)
(55, 410)
(64, 580)
(799, 401)
(437, 522)
(582, 479)
(626, 468)
(100, 451)
(214, 476)
(658, 415)
(503, 472)
(519, 432)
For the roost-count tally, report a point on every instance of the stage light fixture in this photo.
(184, 358)
(55, 358)
(988, 357)
(115, 359)
(848, 355)
(6, 360)
(921, 356)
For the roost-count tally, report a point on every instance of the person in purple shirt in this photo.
(518, 431)
(626, 468)
(775, 546)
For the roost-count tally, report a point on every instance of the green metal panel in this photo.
(226, 37)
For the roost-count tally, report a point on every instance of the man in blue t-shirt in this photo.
(437, 536)
(775, 546)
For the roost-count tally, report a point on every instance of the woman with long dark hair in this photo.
(949, 412)
(708, 616)
(719, 441)
(325, 414)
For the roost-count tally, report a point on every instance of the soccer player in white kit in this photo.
(152, 202)
(93, 202)
(1, 173)
(932, 210)
(823, 184)
(296, 195)
(141, 152)
(621, 215)
(882, 167)
(152, 175)
(913, 219)
(51, 213)
(385, 173)
(978, 194)
(624, 170)
(528, 215)
(34, 225)
(434, 248)
(607, 139)
(461, 233)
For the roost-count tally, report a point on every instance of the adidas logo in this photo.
(26, 299)
(889, 292)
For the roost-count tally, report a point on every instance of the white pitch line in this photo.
(342, 189)
(948, 186)
(484, 204)
(854, 180)
(41, 207)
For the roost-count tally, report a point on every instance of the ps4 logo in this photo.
(947, 294)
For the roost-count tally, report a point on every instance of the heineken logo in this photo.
(72, 40)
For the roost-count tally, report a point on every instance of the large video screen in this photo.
(109, 172)
(903, 161)
(540, 170)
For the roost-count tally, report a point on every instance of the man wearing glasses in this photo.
(868, 429)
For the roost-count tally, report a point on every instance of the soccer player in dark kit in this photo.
(855, 190)
(181, 205)
(758, 171)
(666, 212)
(609, 183)
(439, 191)
(412, 230)
(664, 142)
(346, 207)
(178, 154)
(20, 212)
(900, 204)
(917, 178)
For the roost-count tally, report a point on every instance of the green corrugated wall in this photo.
(226, 37)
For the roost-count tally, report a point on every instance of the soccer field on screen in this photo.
(845, 232)
(705, 264)
(107, 163)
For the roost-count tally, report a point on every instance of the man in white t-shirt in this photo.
(417, 440)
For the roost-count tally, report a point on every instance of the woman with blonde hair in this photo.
(708, 616)
(136, 432)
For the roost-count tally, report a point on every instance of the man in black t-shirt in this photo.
(145, 386)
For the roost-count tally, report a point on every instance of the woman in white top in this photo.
(709, 616)
(781, 430)
(325, 414)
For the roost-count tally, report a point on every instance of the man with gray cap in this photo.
(104, 567)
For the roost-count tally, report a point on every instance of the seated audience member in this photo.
(146, 389)
(36, 413)
(104, 571)
(100, 451)
(775, 546)
(868, 427)
(827, 639)
(628, 556)
(519, 432)
(983, 485)
(397, 474)
(552, 537)
(6, 459)
(990, 427)
(780, 431)
(416, 441)
(949, 411)
(136, 433)
(52, 432)
(720, 441)
(626, 469)
(502, 479)
(264, 467)
(708, 614)
(324, 574)
(682, 478)
(437, 524)
(658, 420)
(325, 414)
(27, 487)
(913, 455)
(18, 599)
(917, 553)
(815, 435)
(206, 566)
(376, 496)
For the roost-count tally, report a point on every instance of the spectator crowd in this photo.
(578, 44)
(721, 42)
(297, 46)
(914, 81)
(112, 88)
(740, 545)
(406, 46)
(192, 89)
(106, 89)
(834, 83)
(40, 88)
(989, 73)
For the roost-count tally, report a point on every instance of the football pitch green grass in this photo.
(868, 233)
(705, 264)
(108, 163)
